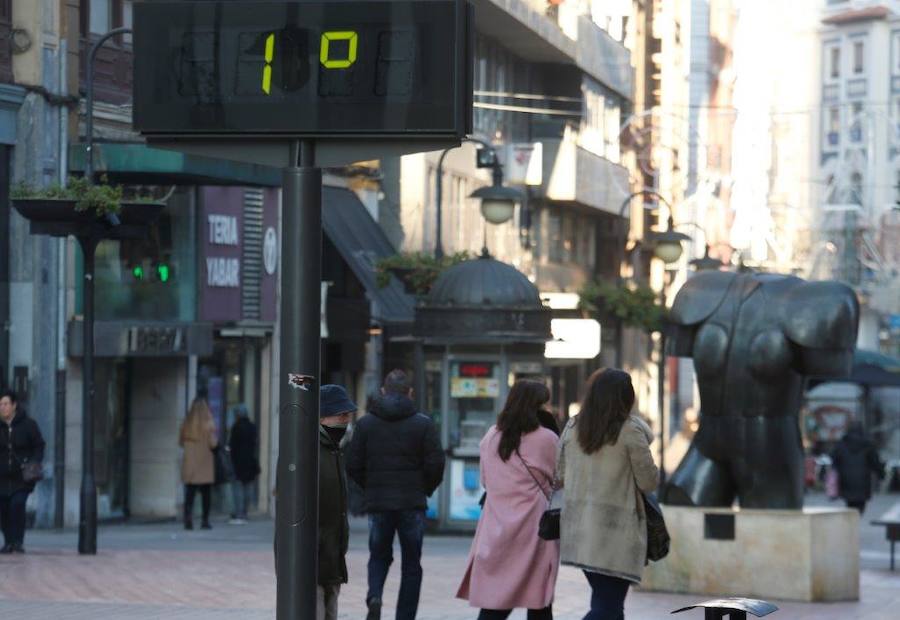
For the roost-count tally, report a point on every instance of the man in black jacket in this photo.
(20, 443)
(855, 458)
(396, 457)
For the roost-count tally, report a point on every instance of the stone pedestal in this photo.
(809, 555)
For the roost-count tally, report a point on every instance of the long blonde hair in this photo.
(198, 423)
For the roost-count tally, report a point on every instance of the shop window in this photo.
(151, 279)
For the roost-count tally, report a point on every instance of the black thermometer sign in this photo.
(302, 68)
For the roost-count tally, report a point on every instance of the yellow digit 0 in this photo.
(267, 69)
(338, 35)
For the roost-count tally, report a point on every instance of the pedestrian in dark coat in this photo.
(20, 443)
(396, 457)
(335, 411)
(242, 446)
(855, 458)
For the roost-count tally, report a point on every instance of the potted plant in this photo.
(417, 271)
(83, 208)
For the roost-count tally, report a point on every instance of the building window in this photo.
(856, 122)
(101, 14)
(554, 237)
(858, 54)
(834, 62)
(833, 128)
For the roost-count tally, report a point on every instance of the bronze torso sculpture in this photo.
(753, 338)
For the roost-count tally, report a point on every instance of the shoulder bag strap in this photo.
(533, 477)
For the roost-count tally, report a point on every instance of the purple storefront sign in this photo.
(222, 262)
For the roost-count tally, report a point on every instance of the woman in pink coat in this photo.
(509, 565)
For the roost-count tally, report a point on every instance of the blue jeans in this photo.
(410, 528)
(242, 493)
(607, 597)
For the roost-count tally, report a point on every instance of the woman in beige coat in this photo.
(603, 466)
(198, 472)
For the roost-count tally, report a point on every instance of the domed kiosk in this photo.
(481, 327)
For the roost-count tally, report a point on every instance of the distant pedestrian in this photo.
(21, 444)
(855, 459)
(604, 465)
(396, 457)
(510, 566)
(198, 437)
(242, 446)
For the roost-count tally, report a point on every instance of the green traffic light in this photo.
(163, 272)
(138, 272)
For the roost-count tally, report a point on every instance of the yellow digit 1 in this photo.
(267, 69)
(338, 35)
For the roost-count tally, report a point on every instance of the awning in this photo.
(361, 243)
(139, 164)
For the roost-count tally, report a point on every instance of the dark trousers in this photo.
(205, 493)
(859, 506)
(12, 517)
(409, 526)
(502, 614)
(607, 597)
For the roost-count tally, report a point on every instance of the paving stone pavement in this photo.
(160, 571)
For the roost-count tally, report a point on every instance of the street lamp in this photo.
(498, 202)
(707, 263)
(667, 245)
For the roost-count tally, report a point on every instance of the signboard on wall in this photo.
(229, 221)
(470, 387)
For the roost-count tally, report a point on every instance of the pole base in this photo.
(87, 522)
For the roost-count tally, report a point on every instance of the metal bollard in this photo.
(733, 608)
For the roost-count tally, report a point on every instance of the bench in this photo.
(891, 521)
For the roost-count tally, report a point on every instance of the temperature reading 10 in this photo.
(337, 50)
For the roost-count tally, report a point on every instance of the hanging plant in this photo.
(636, 306)
(102, 199)
(417, 271)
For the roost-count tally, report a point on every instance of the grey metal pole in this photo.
(297, 508)
(87, 520)
(661, 389)
(89, 103)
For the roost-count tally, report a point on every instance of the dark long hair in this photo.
(520, 414)
(606, 406)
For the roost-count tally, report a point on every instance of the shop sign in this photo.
(270, 251)
(573, 339)
(156, 340)
(228, 223)
(470, 387)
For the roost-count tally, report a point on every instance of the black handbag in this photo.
(32, 472)
(548, 527)
(657, 535)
